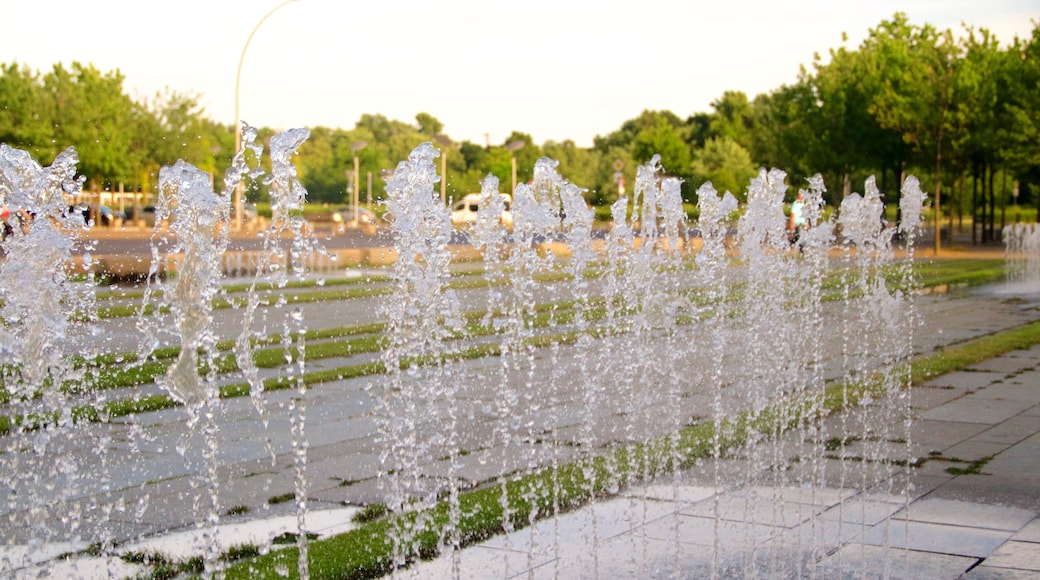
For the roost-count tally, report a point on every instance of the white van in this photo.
(464, 211)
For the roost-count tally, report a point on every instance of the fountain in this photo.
(1022, 249)
(575, 365)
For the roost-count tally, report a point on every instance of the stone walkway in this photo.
(970, 510)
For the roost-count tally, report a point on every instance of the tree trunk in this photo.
(992, 207)
(974, 203)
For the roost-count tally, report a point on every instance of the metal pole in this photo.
(238, 120)
(357, 192)
(513, 161)
(444, 176)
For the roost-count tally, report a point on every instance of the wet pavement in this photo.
(969, 506)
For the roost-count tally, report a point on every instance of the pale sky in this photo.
(555, 69)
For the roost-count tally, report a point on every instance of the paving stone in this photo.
(1014, 430)
(1017, 555)
(859, 561)
(1025, 378)
(939, 434)
(974, 450)
(365, 492)
(600, 521)
(923, 398)
(864, 511)
(1007, 365)
(970, 409)
(1018, 460)
(477, 563)
(939, 538)
(1029, 533)
(761, 507)
(985, 572)
(996, 489)
(1026, 393)
(963, 513)
(679, 493)
(703, 531)
(966, 380)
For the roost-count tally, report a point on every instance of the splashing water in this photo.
(39, 462)
(1022, 249)
(651, 352)
(417, 414)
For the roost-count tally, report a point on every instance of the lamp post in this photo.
(354, 148)
(238, 120)
(513, 147)
(444, 142)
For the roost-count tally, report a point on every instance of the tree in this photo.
(92, 112)
(726, 164)
(429, 125)
(916, 90)
(666, 139)
(733, 119)
(26, 112)
(1020, 116)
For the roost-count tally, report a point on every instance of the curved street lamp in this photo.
(238, 121)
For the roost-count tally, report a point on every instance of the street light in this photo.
(354, 148)
(444, 142)
(513, 147)
(238, 120)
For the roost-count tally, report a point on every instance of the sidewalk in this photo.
(971, 510)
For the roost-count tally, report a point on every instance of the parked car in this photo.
(464, 211)
(108, 217)
(111, 217)
(345, 215)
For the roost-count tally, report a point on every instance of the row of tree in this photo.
(960, 111)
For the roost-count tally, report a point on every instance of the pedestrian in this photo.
(797, 224)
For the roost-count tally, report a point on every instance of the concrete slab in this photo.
(679, 493)
(702, 531)
(937, 538)
(1029, 533)
(970, 409)
(996, 489)
(939, 434)
(969, 380)
(1008, 365)
(974, 450)
(477, 563)
(985, 572)
(595, 523)
(968, 514)
(1016, 555)
(758, 508)
(1010, 392)
(860, 561)
(864, 511)
(1014, 430)
(923, 398)
(1018, 460)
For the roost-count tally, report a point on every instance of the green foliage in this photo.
(952, 110)
(726, 164)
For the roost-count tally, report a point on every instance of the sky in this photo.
(554, 69)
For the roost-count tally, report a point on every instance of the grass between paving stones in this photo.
(367, 551)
